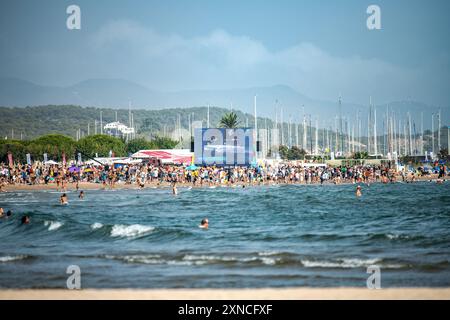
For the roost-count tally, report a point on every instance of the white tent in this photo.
(50, 162)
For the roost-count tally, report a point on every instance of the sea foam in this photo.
(53, 225)
(131, 231)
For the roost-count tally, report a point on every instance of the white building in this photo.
(120, 130)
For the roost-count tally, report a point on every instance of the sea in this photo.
(263, 236)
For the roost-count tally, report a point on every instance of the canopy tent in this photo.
(104, 161)
(128, 161)
(50, 162)
(176, 156)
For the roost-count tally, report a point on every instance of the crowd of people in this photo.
(147, 173)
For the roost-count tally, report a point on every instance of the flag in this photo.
(28, 159)
(64, 159)
(79, 158)
(10, 159)
(45, 157)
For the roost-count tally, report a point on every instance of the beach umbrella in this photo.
(74, 169)
(192, 167)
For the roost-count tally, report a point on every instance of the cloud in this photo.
(221, 60)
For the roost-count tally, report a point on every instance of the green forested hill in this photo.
(32, 122)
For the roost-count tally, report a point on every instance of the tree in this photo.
(229, 121)
(102, 145)
(360, 155)
(17, 148)
(283, 151)
(163, 143)
(52, 144)
(295, 153)
(443, 153)
(139, 144)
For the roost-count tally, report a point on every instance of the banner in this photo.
(79, 158)
(64, 159)
(10, 159)
(45, 157)
(29, 159)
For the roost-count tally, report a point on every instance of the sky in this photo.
(319, 48)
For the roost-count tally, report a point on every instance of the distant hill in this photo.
(117, 93)
(32, 122)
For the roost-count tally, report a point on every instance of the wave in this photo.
(12, 258)
(395, 237)
(53, 225)
(188, 260)
(130, 231)
(96, 225)
(348, 263)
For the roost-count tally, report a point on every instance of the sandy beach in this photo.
(99, 186)
(231, 294)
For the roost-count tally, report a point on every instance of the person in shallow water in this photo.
(8, 213)
(358, 191)
(204, 224)
(2, 213)
(63, 199)
(174, 189)
(25, 220)
(81, 195)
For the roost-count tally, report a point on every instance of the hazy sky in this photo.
(320, 48)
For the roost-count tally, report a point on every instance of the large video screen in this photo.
(224, 147)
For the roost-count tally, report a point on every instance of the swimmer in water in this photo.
(8, 214)
(63, 199)
(81, 195)
(204, 224)
(358, 191)
(2, 213)
(25, 220)
(174, 189)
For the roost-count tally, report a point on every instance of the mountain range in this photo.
(271, 100)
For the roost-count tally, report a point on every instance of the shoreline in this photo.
(345, 293)
(165, 185)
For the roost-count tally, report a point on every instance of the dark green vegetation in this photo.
(229, 121)
(55, 145)
(20, 124)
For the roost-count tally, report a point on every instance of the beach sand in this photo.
(231, 294)
(99, 186)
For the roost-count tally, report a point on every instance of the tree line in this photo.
(55, 145)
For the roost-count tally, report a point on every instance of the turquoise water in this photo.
(274, 236)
